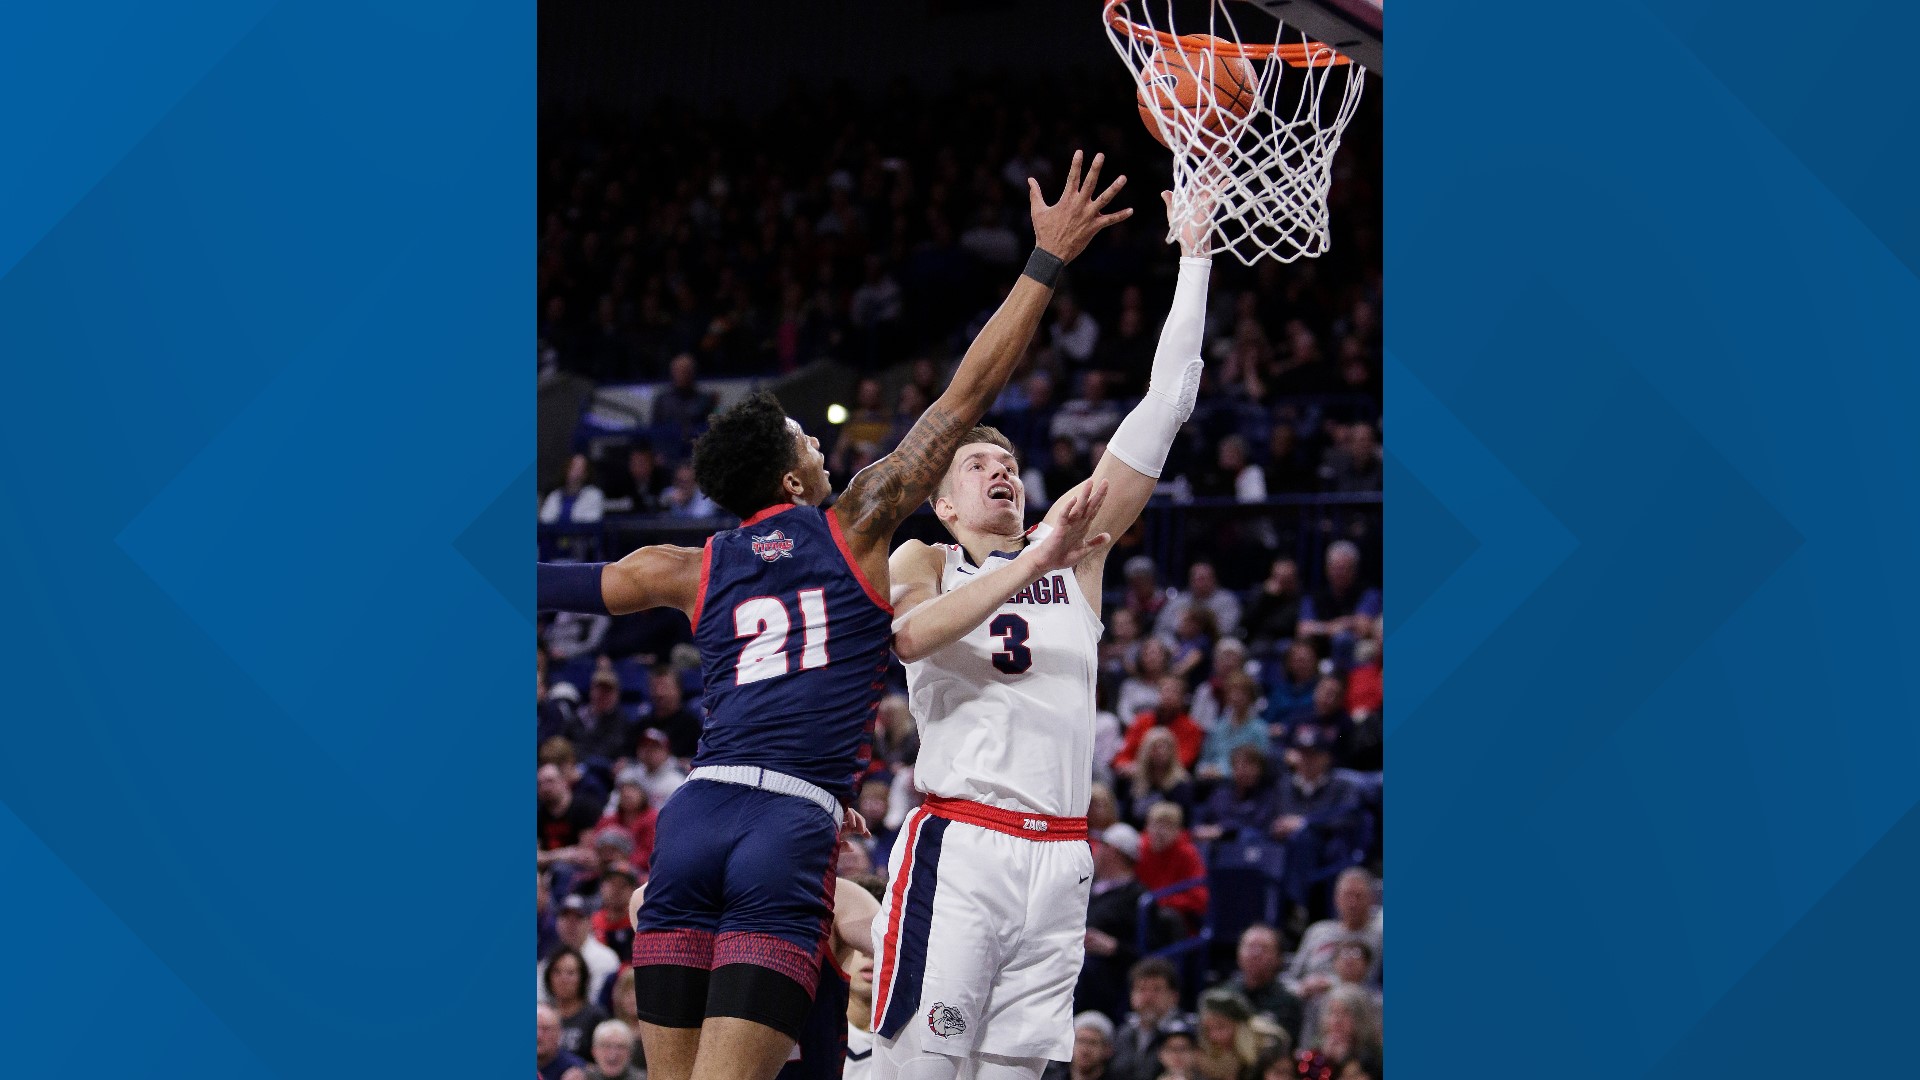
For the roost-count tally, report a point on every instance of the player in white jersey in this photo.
(980, 937)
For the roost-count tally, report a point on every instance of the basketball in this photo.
(1174, 84)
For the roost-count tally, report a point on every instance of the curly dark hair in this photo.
(743, 455)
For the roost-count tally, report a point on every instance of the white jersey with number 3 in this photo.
(1005, 714)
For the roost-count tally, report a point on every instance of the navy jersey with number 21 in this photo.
(793, 643)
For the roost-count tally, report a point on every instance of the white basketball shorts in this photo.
(979, 942)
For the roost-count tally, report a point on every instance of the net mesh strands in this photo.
(1260, 167)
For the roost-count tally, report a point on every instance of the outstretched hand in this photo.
(1068, 543)
(1064, 229)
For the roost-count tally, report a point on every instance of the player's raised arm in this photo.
(927, 620)
(659, 576)
(1138, 450)
(884, 493)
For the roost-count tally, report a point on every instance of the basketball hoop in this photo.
(1257, 166)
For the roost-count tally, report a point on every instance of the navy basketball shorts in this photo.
(738, 907)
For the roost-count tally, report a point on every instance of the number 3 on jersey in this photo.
(765, 620)
(1014, 657)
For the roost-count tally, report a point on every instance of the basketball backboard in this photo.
(1351, 26)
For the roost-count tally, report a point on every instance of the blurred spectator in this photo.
(1352, 960)
(1329, 706)
(684, 497)
(1109, 734)
(1062, 471)
(877, 301)
(569, 990)
(1153, 991)
(575, 927)
(1092, 1050)
(1157, 777)
(680, 410)
(612, 847)
(554, 1063)
(576, 501)
(1245, 805)
(564, 821)
(1168, 714)
(1103, 809)
(624, 1004)
(613, 1053)
(1348, 1044)
(1140, 691)
(1178, 1052)
(1228, 1044)
(1342, 607)
(1256, 977)
(1113, 913)
(1319, 810)
(1088, 418)
(610, 924)
(867, 423)
(1121, 647)
(1075, 334)
(874, 793)
(1364, 683)
(1239, 727)
(636, 488)
(1290, 696)
(1203, 590)
(896, 740)
(1229, 659)
(1234, 475)
(671, 715)
(655, 770)
(1274, 615)
(990, 240)
(1144, 597)
(1353, 464)
(1168, 857)
(911, 404)
(1194, 633)
(634, 812)
(605, 728)
(1287, 472)
(1312, 971)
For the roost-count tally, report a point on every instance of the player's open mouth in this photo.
(1000, 492)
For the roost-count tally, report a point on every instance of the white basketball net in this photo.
(1261, 178)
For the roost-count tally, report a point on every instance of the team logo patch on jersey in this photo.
(946, 1021)
(774, 546)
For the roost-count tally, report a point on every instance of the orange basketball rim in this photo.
(1293, 53)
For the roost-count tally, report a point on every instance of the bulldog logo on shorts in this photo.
(946, 1021)
(774, 546)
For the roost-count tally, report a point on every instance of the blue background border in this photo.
(263, 276)
(265, 280)
(1651, 538)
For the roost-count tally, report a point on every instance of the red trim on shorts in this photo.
(796, 962)
(762, 515)
(676, 948)
(883, 985)
(706, 566)
(1019, 823)
(840, 541)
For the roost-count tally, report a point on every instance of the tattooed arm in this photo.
(884, 493)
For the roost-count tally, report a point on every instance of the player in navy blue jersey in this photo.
(792, 617)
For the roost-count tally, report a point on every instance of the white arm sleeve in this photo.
(1146, 435)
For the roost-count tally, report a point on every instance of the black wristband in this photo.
(1044, 266)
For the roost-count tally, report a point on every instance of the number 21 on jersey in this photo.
(765, 619)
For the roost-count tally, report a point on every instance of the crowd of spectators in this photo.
(1240, 690)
